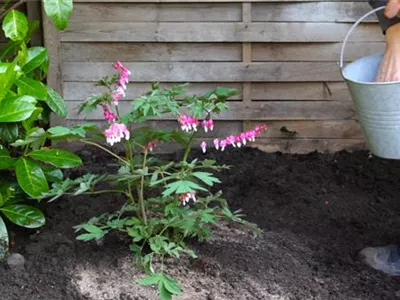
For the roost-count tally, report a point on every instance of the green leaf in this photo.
(57, 157)
(6, 161)
(163, 292)
(207, 178)
(9, 50)
(31, 87)
(171, 285)
(94, 233)
(150, 280)
(31, 177)
(36, 57)
(4, 242)
(52, 174)
(16, 109)
(15, 25)
(36, 136)
(8, 76)
(24, 215)
(9, 132)
(59, 12)
(35, 116)
(56, 103)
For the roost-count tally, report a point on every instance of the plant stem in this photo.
(129, 157)
(100, 192)
(140, 192)
(188, 147)
(106, 150)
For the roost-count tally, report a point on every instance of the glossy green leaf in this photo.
(6, 161)
(9, 50)
(59, 12)
(35, 116)
(31, 87)
(16, 109)
(56, 103)
(36, 57)
(57, 157)
(24, 215)
(35, 136)
(4, 242)
(31, 178)
(9, 132)
(8, 75)
(207, 178)
(52, 174)
(15, 25)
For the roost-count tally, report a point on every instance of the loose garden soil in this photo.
(316, 211)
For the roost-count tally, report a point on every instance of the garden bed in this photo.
(316, 212)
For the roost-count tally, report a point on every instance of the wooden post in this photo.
(246, 55)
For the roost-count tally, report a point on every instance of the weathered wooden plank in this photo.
(211, 72)
(172, 12)
(339, 129)
(313, 51)
(81, 90)
(262, 111)
(300, 91)
(326, 11)
(302, 146)
(217, 32)
(151, 52)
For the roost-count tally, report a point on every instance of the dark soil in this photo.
(316, 211)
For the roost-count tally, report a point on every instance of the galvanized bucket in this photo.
(377, 104)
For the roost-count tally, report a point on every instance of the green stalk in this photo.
(188, 147)
(129, 157)
(140, 191)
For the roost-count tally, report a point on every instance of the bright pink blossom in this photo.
(185, 197)
(208, 125)
(203, 146)
(121, 68)
(223, 144)
(108, 114)
(116, 132)
(188, 123)
(216, 143)
(123, 80)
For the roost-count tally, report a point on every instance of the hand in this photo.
(389, 69)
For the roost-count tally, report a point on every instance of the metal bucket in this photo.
(377, 104)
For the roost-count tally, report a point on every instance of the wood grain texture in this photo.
(217, 32)
(313, 51)
(294, 91)
(211, 72)
(157, 12)
(150, 52)
(323, 11)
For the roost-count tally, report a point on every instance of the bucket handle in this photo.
(352, 29)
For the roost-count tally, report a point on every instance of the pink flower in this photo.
(208, 125)
(188, 123)
(116, 132)
(118, 94)
(185, 197)
(121, 68)
(108, 114)
(216, 143)
(203, 146)
(222, 144)
(151, 145)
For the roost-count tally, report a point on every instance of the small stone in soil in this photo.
(15, 261)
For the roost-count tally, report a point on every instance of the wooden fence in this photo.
(281, 55)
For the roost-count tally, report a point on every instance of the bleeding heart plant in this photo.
(167, 202)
